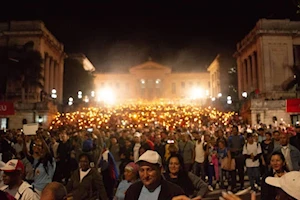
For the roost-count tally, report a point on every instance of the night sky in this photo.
(185, 35)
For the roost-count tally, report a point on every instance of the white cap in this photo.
(289, 182)
(150, 156)
(137, 134)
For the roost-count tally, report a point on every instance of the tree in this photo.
(22, 66)
(76, 78)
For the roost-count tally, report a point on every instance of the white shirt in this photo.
(25, 192)
(136, 153)
(146, 195)
(199, 152)
(252, 149)
(82, 174)
(286, 151)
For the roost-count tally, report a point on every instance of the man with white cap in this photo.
(151, 186)
(289, 184)
(13, 172)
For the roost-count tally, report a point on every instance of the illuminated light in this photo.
(106, 95)
(157, 81)
(53, 91)
(220, 95)
(142, 81)
(213, 99)
(244, 94)
(197, 93)
(92, 93)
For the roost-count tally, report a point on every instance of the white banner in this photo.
(30, 129)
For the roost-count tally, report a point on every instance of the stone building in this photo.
(18, 33)
(152, 81)
(264, 60)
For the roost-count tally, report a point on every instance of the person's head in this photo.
(250, 139)
(54, 191)
(235, 130)
(268, 136)
(150, 166)
(221, 144)
(63, 136)
(157, 139)
(284, 139)
(175, 164)
(288, 183)
(113, 140)
(276, 135)
(13, 172)
(277, 161)
(137, 137)
(37, 147)
(131, 172)
(84, 161)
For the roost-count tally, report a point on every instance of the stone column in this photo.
(51, 85)
(245, 86)
(249, 75)
(254, 71)
(60, 80)
(56, 77)
(240, 77)
(46, 73)
(259, 71)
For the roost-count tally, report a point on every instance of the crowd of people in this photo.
(149, 152)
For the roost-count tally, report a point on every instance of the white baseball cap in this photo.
(150, 156)
(137, 134)
(13, 165)
(289, 182)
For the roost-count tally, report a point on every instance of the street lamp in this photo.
(79, 94)
(53, 94)
(70, 101)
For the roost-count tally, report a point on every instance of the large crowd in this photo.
(149, 151)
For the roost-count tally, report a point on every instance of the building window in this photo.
(182, 85)
(173, 88)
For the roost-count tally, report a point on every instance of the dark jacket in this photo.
(168, 191)
(268, 192)
(91, 187)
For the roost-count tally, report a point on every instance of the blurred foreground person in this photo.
(288, 185)
(54, 191)
(13, 173)
(152, 185)
(86, 182)
(191, 184)
(130, 176)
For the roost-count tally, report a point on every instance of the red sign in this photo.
(293, 105)
(6, 108)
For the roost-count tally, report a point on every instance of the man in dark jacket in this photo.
(152, 185)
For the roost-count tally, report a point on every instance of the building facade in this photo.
(264, 60)
(18, 33)
(152, 81)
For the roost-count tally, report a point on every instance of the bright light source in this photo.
(53, 96)
(244, 94)
(213, 99)
(92, 93)
(157, 81)
(229, 101)
(197, 93)
(53, 91)
(70, 103)
(86, 99)
(79, 94)
(142, 81)
(71, 99)
(106, 95)
(228, 97)
(220, 95)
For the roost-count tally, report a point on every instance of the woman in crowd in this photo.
(278, 168)
(42, 162)
(130, 176)
(86, 182)
(191, 184)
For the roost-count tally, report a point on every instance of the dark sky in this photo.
(186, 35)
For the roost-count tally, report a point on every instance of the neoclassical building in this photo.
(18, 33)
(153, 81)
(264, 60)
